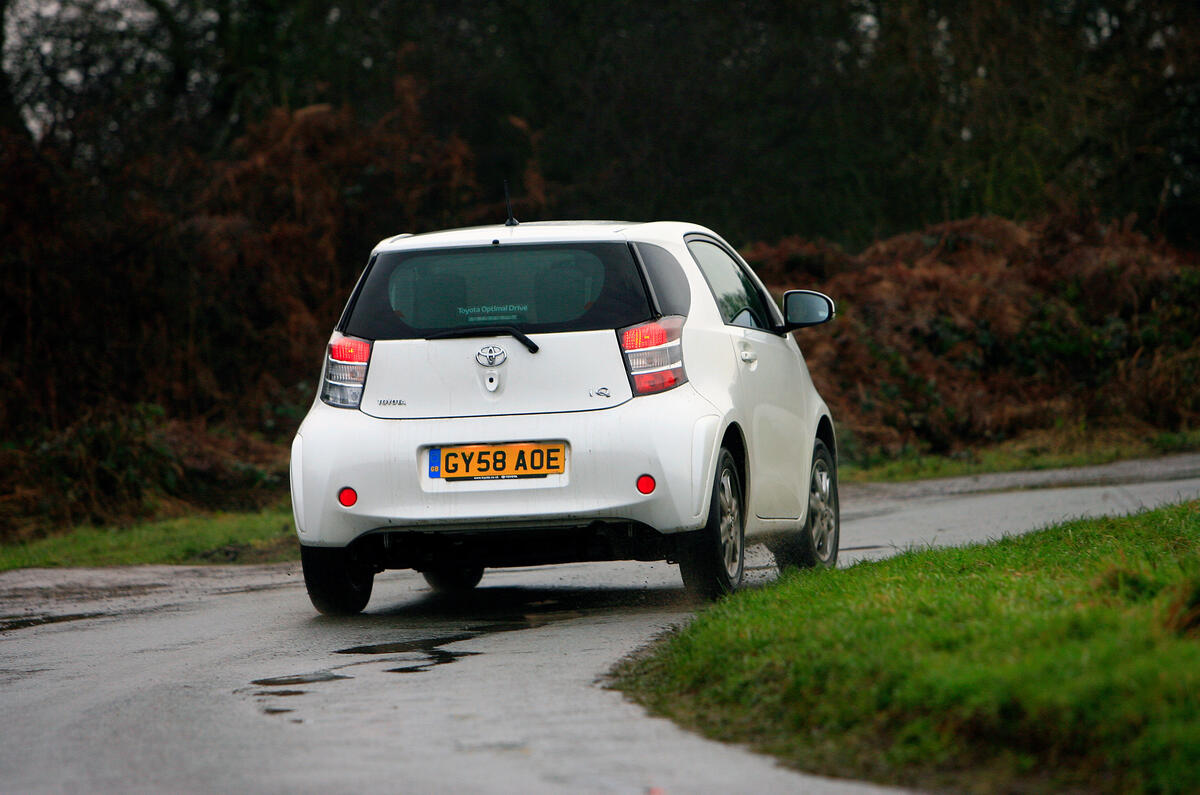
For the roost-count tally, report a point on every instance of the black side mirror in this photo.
(806, 308)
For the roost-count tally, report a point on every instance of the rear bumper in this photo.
(671, 436)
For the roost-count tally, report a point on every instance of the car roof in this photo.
(544, 232)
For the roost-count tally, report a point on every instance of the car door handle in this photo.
(749, 357)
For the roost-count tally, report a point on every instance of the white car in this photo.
(557, 392)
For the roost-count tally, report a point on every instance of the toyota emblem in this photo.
(491, 355)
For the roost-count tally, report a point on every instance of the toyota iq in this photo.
(545, 393)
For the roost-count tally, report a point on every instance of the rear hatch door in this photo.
(572, 371)
(452, 328)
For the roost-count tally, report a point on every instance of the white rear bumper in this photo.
(671, 436)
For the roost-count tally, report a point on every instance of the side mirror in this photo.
(806, 308)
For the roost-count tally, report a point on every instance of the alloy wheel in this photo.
(821, 509)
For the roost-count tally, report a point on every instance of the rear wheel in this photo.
(453, 579)
(714, 558)
(817, 543)
(338, 584)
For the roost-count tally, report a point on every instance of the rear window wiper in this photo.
(485, 331)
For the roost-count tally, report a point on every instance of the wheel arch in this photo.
(734, 441)
(825, 432)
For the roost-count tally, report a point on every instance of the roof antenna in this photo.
(508, 203)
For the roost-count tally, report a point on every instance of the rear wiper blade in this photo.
(485, 331)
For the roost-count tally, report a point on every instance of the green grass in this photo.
(264, 537)
(1051, 449)
(1063, 659)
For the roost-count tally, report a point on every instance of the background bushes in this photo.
(978, 330)
(188, 189)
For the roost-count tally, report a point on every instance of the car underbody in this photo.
(500, 547)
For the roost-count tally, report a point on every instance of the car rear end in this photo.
(525, 384)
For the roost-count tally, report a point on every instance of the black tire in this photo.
(338, 584)
(453, 579)
(713, 559)
(816, 545)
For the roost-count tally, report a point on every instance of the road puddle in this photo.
(415, 655)
(434, 657)
(427, 651)
(8, 623)
(300, 679)
(400, 647)
(283, 688)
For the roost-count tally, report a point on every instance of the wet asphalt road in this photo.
(223, 679)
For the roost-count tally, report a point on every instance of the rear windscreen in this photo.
(537, 288)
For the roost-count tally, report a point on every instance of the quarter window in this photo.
(669, 282)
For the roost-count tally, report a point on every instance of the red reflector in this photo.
(646, 336)
(347, 496)
(655, 382)
(645, 484)
(350, 350)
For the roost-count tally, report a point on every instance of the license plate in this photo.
(498, 461)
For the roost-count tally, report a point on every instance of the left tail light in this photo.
(345, 371)
(654, 355)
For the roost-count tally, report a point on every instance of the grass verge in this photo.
(1075, 446)
(264, 537)
(1067, 659)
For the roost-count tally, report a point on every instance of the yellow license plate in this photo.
(497, 461)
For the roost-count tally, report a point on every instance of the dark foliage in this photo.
(207, 286)
(121, 462)
(976, 330)
(188, 189)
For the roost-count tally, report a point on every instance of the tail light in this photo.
(654, 355)
(345, 371)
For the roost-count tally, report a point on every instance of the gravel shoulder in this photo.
(1146, 470)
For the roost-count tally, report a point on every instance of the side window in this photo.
(740, 303)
